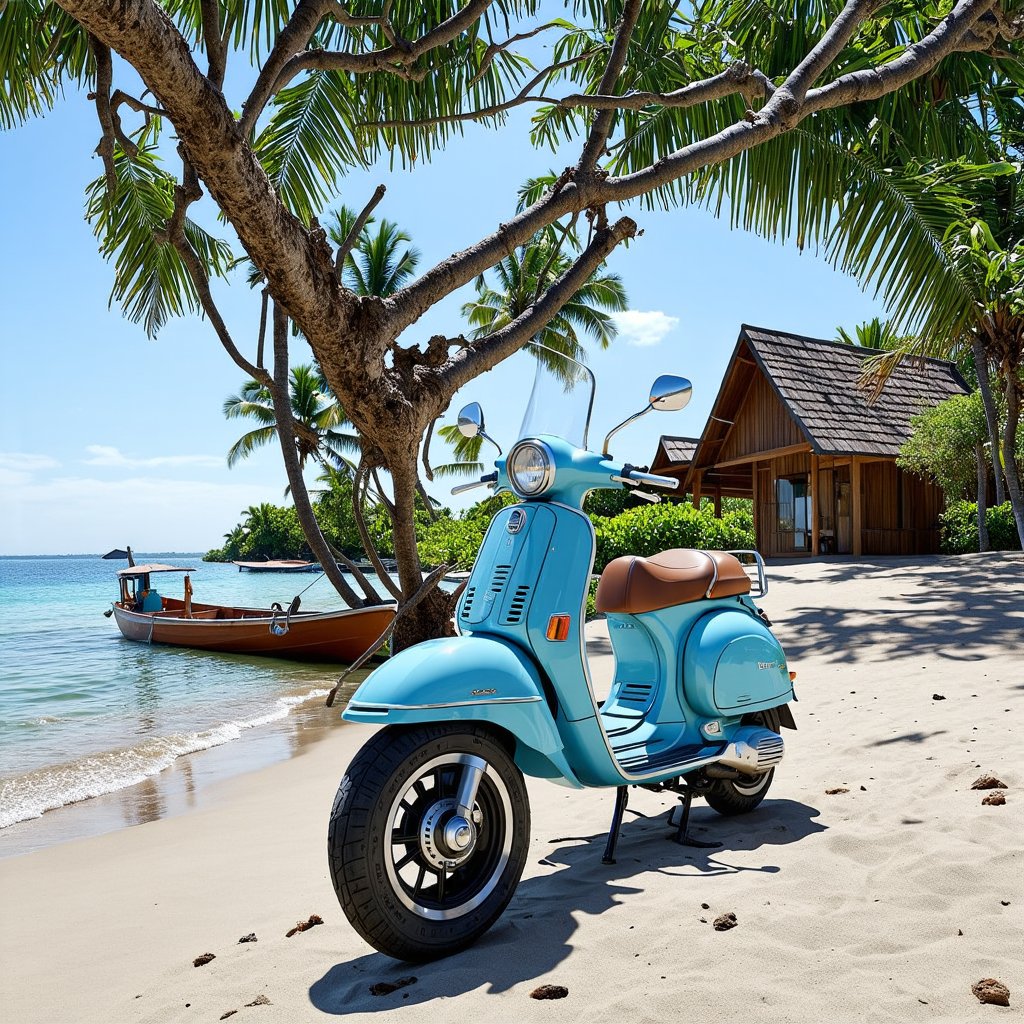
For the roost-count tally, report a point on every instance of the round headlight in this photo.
(530, 468)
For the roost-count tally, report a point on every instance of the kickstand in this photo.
(681, 836)
(621, 799)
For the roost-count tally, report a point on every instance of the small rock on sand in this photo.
(260, 1001)
(725, 922)
(251, 937)
(988, 990)
(383, 988)
(303, 926)
(205, 958)
(995, 799)
(230, 1013)
(836, 790)
(988, 782)
(937, 696)
(549, 992)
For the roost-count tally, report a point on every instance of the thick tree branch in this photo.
(482, 355)
(953, 34)
(104, 82)
(396, 59)
(603, 123)
(216, 44)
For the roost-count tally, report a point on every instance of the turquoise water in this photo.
(85, 712)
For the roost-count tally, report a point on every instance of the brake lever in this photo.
(654, 499)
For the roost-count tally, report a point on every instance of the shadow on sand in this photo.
(534, 934)
(957, 611)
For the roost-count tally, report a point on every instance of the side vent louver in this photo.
(517, 606)
(500, 578)
(467, 603)
(639, 692)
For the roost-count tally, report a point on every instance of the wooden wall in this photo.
(762, 424)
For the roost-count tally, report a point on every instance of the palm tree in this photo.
(523, 276)
(874, 333)
(375, 266)
(317, 418)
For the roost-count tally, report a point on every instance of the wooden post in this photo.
(815, 514)
(856, 506)
(696, 487)
(718, 502)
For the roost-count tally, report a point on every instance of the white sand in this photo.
(849, 905)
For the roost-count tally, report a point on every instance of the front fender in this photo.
(467, 679)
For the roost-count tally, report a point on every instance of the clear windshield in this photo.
(562, 398)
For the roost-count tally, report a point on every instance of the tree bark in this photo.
(991, 413)
(300, 496)
(1013, 484)
(983, 539)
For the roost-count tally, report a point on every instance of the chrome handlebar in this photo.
(488, 479)
(634, 476)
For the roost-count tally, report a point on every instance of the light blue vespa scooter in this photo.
(431, 825)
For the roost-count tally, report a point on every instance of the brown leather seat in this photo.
(632, 585)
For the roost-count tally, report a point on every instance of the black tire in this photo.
(736, 796)
(401, 888)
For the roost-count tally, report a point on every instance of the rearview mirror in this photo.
(471, 420)
(670, 393)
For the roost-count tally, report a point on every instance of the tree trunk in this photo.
(432, 617)
(300, 496)
(1013, 485)
(991, 414)
(983, 541)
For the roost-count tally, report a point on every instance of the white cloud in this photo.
(26, 462)
(107, 455)
(644, 327)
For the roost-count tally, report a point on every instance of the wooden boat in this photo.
(145, 615)
(277, 565)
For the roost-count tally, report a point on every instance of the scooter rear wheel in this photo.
(411, 878)
(740, 796)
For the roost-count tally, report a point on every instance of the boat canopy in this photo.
(145, 570)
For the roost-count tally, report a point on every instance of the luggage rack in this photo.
(752, 560)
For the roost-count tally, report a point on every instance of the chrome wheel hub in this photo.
(446, 838)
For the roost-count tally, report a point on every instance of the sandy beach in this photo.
(884, 900)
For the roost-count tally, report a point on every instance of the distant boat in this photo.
(278, 565)
(147, 616)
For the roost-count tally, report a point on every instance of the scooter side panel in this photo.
(466, 679)
(732, 664)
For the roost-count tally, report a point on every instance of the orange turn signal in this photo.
(792, 677)
(558, 627)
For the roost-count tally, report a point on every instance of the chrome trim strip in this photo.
(372, 708)
(714, 578)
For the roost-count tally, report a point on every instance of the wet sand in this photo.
(884, 901)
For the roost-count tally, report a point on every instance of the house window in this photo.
(793, 506)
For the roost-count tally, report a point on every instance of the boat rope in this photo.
(428, 584)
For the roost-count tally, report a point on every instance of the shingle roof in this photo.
(678, 449)
(817, 380)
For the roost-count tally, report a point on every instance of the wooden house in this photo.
(791, 429)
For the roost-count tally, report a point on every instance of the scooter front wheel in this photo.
(428, 838)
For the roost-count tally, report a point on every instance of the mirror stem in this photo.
(625, 423)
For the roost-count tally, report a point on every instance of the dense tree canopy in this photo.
(783, 112)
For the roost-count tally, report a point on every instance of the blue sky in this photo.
(109, 438)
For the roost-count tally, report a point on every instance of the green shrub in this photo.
(960, 528)
(646, 531)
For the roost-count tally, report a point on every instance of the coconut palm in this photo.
(376, 265)
(875, 333)
(318, 419)
(523, 276)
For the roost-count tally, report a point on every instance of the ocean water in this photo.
(84, 712)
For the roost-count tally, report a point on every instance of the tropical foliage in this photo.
(854, 127)
(959, 524)
(266, 531)
(318, 417)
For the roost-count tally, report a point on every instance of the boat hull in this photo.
(340, 636)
